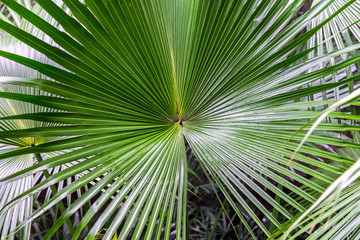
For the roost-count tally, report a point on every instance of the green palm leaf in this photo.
(14, 71)
(130, 83)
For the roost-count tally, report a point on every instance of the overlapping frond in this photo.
(341, 31)
(10, 70)
(335, 214)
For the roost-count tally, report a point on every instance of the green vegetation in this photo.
(179, 119)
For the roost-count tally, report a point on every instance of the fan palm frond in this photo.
(132, 82)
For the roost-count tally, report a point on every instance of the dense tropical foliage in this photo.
(179, 119)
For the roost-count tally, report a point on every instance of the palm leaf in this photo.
(133, 81)
(10, 71)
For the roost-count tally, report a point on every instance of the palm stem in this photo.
(211, 235)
